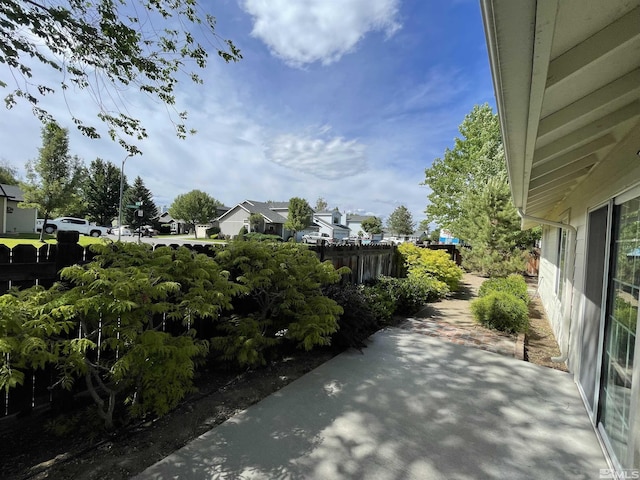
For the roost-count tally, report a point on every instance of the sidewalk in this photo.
(410, 407)
(451, 321)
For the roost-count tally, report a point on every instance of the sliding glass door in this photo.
(617, 389)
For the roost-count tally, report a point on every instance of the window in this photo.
(561, 274)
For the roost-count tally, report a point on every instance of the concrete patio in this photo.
(410, 407)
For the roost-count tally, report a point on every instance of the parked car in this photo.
(123, 231)
(316, 236)
(145, 231)
(71, 224)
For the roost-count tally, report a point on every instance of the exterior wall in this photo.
(233, 222)
(20, 220)
(613, 177)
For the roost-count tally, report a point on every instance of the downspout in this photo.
(564, 348)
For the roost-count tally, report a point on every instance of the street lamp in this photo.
(120, 204)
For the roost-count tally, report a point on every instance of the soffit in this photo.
(567, 80)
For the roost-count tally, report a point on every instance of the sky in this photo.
(348, 100)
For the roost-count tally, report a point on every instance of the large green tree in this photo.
(194, 207)
(401, 221)
(105, 47)
(101, 191)
(300, 215)
(139, 193)
(53, 178)
(372, 225)
(8, 174)
(476, 157)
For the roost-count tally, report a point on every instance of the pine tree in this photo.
(401, 221)
(491, 226)
(138, 192)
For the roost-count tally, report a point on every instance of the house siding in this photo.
(233, 222)
(612, 178)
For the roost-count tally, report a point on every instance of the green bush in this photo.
(513, 284)
(411, 294)
(281, 301)
(262, 237)
(380, 301)
(501, 311)
(423, 262)
(358, 320)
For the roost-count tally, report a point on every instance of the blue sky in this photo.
(349, 100)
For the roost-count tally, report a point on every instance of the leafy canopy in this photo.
(53, 178)
(105, 47)
(194, 207)
(372, 225)
(476, 157)
(300, 215)
(8, 174)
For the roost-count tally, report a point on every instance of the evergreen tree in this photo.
(52, 179)
(101, 191)
(139, 193)
(491, 226)
(401, 221)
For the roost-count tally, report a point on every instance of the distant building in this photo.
(12, 218)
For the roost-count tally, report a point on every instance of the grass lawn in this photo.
(34, 239)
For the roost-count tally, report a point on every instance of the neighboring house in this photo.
(398, 239)
(176, 227)
(328, 221)
(12, 218)
(354, 222)
(567, 81)
(274, 216)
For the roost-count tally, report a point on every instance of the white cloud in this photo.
(303, 32)
(328, 159)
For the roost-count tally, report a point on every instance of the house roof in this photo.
(12, 192)
(263, 208)
(567, 79)
(352, 217)
(335, 226)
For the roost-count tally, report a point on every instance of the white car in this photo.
(126, 232)
(315, 236)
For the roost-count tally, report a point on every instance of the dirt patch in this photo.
(540, 343)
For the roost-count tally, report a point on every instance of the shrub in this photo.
(502, 311)
(513, 284)
(281, 301)
(358, 320)
(262, 237)
(380, 301)
(410, 294)
(423, 262)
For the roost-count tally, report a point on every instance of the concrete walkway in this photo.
(450, 319)
(410, 407)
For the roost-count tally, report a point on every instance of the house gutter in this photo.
(564, 348)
